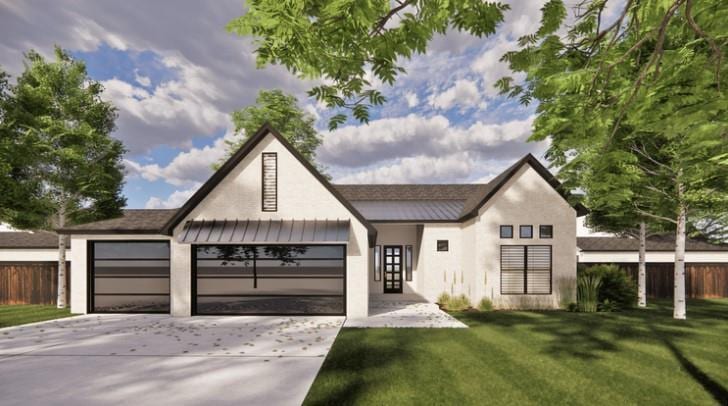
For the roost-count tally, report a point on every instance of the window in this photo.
(525, 269)
(506, 231)
(378, 263)
(408, 262)
(270, 181)
(443, 245)
(546, 231)
(525, 231)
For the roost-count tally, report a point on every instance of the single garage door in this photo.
(269, 279)
(128, 276)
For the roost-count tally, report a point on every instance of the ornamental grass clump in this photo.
(459, 303)
(587, 290)
(485, 305)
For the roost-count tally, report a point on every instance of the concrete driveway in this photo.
(157, 359)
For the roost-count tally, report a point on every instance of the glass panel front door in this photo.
(393, 269)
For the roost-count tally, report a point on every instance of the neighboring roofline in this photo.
(236, 158)
(110, 231)
(75, 230)
(510, 172)
(5, 247)
(631, 251)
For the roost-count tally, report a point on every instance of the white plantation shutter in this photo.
(513, 269)
(270, 181)
(538, 275)
(525, 269)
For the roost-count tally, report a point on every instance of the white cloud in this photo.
(183, 104)
(413, 135)
(463, 93)
(416, 170)
(488, 65)
(141, 79)
(175, 200)
(412, 99)
(187, 168)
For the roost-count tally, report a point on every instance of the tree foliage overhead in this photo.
(281, 111)
(56, 146)
(339, 41)
(634, 107)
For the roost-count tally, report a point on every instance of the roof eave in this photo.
(541, 170)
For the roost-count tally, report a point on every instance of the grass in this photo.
(15, 315)
(520, 358)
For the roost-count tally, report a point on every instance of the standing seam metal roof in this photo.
(265, 231)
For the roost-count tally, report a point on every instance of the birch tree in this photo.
(67, 167)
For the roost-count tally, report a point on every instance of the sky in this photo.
(175, 75)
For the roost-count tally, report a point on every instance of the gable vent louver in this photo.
(270, 181)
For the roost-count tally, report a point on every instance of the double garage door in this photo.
(133, 277)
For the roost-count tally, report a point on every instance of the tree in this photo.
(342, 41)
(282, 112)
(644, 90)
(65, 165)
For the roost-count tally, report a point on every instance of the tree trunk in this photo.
(61, 298)
(680, 311)
(642, 268)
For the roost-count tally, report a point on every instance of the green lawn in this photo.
(13, 315)
(516, 358)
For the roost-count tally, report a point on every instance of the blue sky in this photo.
(175, 75)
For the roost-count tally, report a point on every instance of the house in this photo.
(267, 234)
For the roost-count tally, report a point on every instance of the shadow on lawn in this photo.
(344, 369)
(589, 335)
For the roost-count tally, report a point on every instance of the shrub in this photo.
(459, 303)
(456, 303)
(572, 307)
(485, 305)
(587, 292)
(608, 306)
(618, 289)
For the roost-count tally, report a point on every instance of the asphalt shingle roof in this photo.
(132, 220)
(659, 243)
(28, 239)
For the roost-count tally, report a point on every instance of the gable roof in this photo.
(131, 221)
(656, 243)
(469, 197)
(236, 158)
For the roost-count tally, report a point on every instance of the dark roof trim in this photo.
(236, 158)
(510, 172)
(421, 221)
(109, 231)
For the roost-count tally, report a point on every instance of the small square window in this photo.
(443, 245)
(546, 231)
(506, 231)
(526, 231)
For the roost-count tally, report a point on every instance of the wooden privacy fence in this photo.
(31, 282)
(701, 280)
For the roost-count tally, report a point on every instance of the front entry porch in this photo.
(404, 311)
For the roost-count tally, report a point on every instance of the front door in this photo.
(392, 269)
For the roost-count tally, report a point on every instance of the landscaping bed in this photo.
(639, 356)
